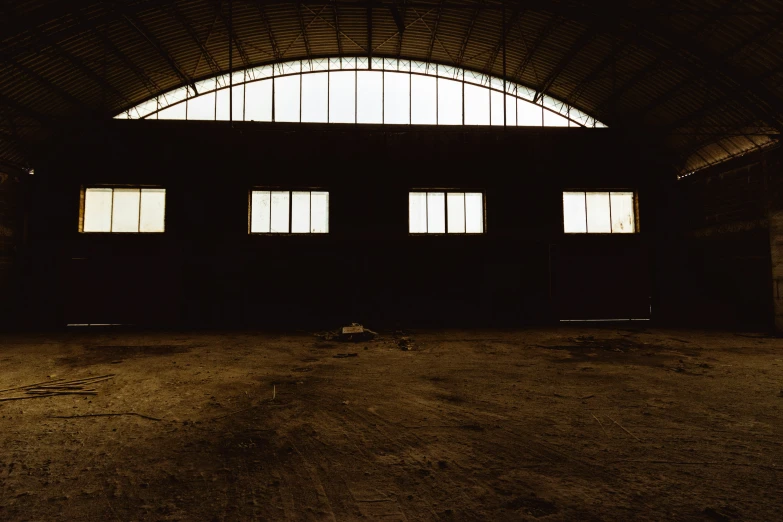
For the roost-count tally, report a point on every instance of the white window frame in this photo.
(140, 188)
(291, 192)
(609, 192)
(445, 193)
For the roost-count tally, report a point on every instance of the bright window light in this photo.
(346, 90)
(289, 212)
(445, 212)
(599, 213)
(124, 210)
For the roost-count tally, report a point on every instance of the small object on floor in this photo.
(406, 343)
(344, 355)
(356, 333)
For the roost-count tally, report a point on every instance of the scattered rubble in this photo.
(353, 333)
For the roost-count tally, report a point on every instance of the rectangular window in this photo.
(446, 212)
(123, 210)
(289, 212)
(599, 213)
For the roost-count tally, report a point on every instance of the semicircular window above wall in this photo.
(360, 90)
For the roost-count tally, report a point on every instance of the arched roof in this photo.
(703, 77)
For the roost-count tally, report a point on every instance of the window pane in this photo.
(279, 221)
(153, 210)
(496, 106)
(474, 213)
(175, 112)
(300, 212)
(529, 114)
(436, 212)
(396, 98)
(598, 212)
(455, 206)
(315, 97)
(239, 102)
(417, 212)
(449, 102)
(259, 211)
(554, 120)
(319, 212)
(369, 101)
(287, 99)
(258, 101)
(476, 105)
(423, 107)
(97, 210)
(623, 212)
(342, 97)
(222, 105)
(125, 211)
(202, 107)
(574, 213)
(511, 111)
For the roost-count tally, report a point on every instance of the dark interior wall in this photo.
(205, 270)
(720, 273)
(12, 198)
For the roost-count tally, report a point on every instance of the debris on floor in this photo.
(56, 387)
(344, 355)
(353, 333)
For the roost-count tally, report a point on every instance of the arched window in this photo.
(360, 90)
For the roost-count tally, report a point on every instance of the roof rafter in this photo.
(728, 75)
(77, 63)
(265, 20)
(434, 31)
(24, 110)
(726, 55)
(399, 20)
(512, 20)
(232, 34)
(148, 82)
(336, 14)
(554, 21)
(134, 22)
(468, 32)
(596, 72)
(575, 48)
(175, 12)
(62, 93)
(304, 30)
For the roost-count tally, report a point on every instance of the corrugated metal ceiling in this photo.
(704, 77)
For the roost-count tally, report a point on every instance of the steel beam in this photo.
(175, 13)
(669, 95)
(530, 54)
(136, 24)
(233, 35)
(62, 93)
(434, 32)
(336, 14)
(272, 41)
(468, 32)
(575, 48)
(148, 82)
(304, 31)
(509, 24)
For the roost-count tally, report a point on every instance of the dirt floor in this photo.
(558, 424)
